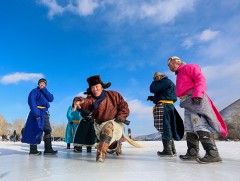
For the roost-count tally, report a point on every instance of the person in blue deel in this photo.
(38, 120)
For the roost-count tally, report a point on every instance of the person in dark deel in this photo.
(85, 133)
(38, 120)
(164, 113)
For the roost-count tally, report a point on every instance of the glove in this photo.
(71, 122)
(150, 98)
(196, 100)
(118, 120)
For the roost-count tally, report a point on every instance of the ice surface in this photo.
(135, 164)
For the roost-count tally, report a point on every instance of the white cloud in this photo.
(80, 7)
(139, 110)
(222, 81)
(19, 76)
(207, 35)
(204, 36)
(83, 7)
(54, 7)
(222, 71)
(187, 43)
(165, 11)
(160, 11)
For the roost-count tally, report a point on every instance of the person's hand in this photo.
(196, 100)
(78, 102)
(71, 122)
(150, 98)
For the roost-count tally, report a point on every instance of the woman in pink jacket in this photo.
(201, 117)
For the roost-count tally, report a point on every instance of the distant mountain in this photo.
(150, 137)
(230, 111)
(231, 115)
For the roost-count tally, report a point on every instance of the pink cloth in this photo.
(222, 126)
(189, 78)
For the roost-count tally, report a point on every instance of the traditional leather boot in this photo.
(193, 148)
(89, 149)
(77, 149)
(210, 147)
(48, 145)
(34, 151)
(174, 149)
(102, 151)
(105, 139)
(167, 149)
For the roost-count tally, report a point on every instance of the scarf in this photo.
(99, 99)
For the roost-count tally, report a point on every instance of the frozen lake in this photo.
(134, 164)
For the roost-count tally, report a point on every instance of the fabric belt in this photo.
(41, 107)
(164, 102)
(75, 121)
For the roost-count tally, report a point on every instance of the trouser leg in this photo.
(47, 137)
(105, 139)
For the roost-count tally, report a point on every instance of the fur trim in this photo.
(93, 80)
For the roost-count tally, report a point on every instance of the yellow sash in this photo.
(75, 121)
(41, 107)
(164, 102)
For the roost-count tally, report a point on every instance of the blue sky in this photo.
(125, 42)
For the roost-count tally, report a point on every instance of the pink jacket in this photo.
(190, 77)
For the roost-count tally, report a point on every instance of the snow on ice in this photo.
(135, 164)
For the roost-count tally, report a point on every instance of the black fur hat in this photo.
(93, 80)
(42, 80)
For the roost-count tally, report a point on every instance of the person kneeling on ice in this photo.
(201, 116)
(166, 118)
(38, 120)
(110, 111)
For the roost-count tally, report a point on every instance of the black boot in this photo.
(77, 149)
(89, 149)
(68, 145)
(210, 147)
(48, 145)
(167, 149)
(174, 149)
(193, 148)
(34, 151)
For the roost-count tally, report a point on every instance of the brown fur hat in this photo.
(93, 80)
(88, 92)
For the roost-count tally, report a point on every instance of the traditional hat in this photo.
(93, 80)
(88, 91)
(42, 80)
